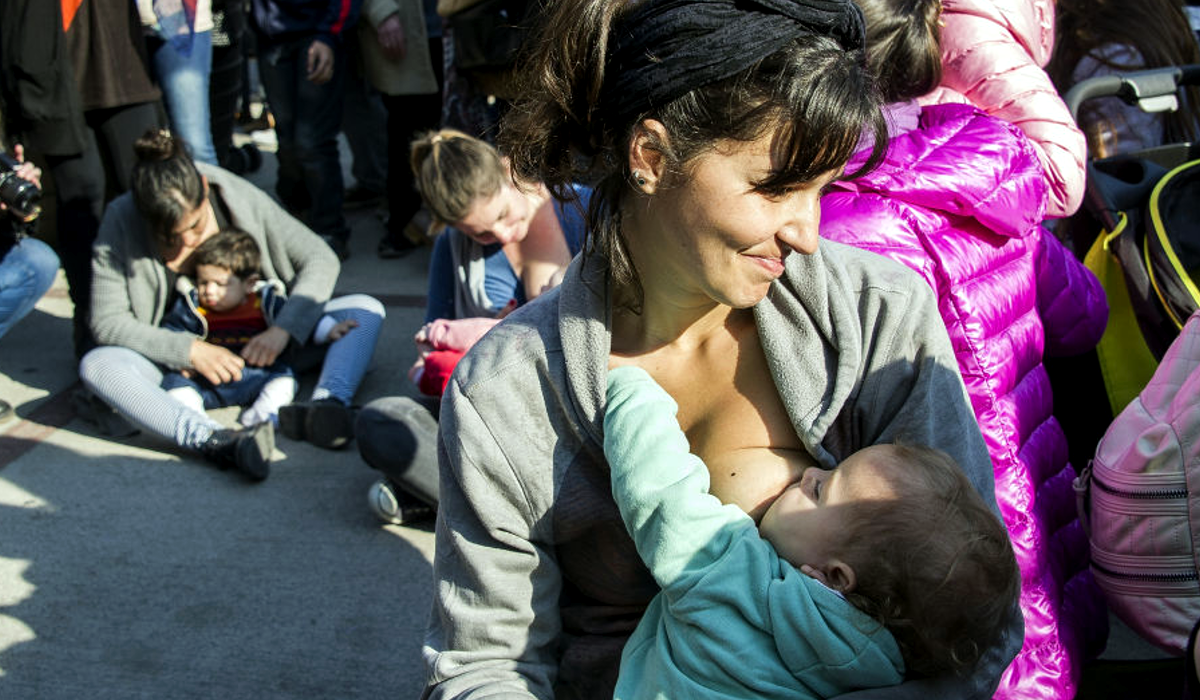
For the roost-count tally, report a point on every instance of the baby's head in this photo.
(900, 531)
(226, 269)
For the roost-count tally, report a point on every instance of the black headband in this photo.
(661, 49)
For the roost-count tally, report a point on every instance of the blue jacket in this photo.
(286, 20)
(185, 316)
(733, 618)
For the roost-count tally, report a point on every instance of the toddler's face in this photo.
(804, 524)
(219, 289)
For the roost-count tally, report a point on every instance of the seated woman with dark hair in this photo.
(146, 240)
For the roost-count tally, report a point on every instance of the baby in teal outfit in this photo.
(889, 564)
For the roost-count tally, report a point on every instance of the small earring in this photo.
(637, 177)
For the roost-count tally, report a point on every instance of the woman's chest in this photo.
(735, 420)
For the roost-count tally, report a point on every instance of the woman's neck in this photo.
(671, 314)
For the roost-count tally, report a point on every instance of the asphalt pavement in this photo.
(132, 569)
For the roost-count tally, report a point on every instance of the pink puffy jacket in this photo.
(959, 199)
(993, 52)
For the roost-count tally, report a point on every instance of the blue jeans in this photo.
(184, 81)
(26, 272)
(242, 392)
(307, 120)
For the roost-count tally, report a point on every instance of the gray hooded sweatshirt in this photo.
(538, 585)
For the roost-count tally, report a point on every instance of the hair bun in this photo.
(157, 145)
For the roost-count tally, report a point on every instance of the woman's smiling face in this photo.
(716, 234)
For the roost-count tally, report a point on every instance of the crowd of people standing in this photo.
(798, 230)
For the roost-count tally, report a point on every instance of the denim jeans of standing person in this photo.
(184, 80)
(26, 272)
(307, 120)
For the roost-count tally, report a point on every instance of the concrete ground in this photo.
(130, 569)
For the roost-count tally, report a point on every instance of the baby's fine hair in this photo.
(453, 170)
(231, 249)
(936, 566)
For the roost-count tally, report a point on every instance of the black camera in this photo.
(22, 197)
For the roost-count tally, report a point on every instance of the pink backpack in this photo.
(1140, 500)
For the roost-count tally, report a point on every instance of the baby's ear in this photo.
(251, 279)
(840, 576)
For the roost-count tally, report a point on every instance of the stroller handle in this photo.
(1153, 90)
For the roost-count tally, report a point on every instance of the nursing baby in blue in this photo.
(888, 566)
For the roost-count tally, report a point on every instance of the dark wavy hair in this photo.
(815, 96)
(231, 249)
(165, 182)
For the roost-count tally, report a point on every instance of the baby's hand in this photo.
(342, 328)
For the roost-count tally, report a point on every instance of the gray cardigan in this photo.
(538, 583)
(131, 287)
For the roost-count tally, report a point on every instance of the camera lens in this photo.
(21, 196)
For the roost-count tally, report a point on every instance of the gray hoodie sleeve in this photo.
(495, 620)
(912, 391)
(130, 290)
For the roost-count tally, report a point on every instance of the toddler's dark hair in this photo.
(936, 568)
(231, 249)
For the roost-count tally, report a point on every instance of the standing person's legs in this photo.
(26, 272)
(318, 118)
(185, 85)
(365, 124)
(79, 201)
(408, 115)
(116, 129)
(281, 67)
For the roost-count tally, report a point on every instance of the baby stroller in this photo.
(1146, 250)
(1139, 232)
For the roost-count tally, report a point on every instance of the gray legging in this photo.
(398, 436)
(131, 384)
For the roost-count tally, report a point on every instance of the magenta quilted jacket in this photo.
(960, 199)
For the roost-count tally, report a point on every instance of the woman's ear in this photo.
(647, 161)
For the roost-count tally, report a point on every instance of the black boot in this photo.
(326, 423)
(248, 450)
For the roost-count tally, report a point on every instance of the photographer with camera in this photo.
(27, 265)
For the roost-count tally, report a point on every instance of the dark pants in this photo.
(408, 115)
(307, 120)
(398, 436)
(83, 182)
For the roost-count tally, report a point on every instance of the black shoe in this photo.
(389, 249)
(248, 450)
(95, 411)
(361, 198)
(326, 423)
(6, 411)
(338, 245)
